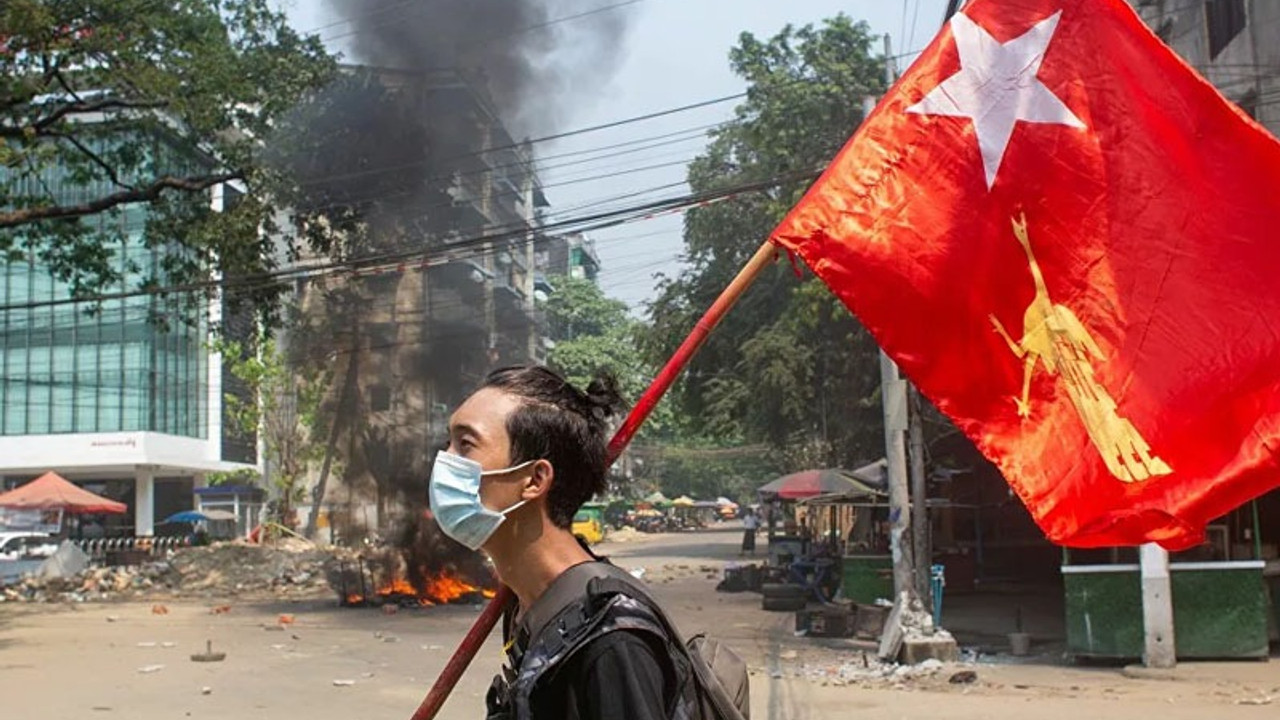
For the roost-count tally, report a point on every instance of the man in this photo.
(525, 451)
(750, 526)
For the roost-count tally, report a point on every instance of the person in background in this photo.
(750, 525)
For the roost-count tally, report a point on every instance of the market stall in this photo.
(854, 523)
(839, 516)
(52, 498)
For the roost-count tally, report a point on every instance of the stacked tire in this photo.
(783, 597)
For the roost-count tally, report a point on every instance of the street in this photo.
(124, 660)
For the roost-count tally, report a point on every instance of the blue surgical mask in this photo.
(455, 499)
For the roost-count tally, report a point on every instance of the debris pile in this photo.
(291, 568)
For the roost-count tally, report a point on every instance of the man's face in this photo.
(478, 431)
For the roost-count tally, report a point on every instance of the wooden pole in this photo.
(475, 637)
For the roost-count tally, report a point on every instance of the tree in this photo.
(790, 366)
(108, 105)
(594, 332)
(283, 408)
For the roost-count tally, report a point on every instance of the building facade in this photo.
(1235, 44)
(415, 336)
(122, 397)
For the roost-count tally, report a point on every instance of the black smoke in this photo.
(538, 58)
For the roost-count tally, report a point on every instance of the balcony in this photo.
(455, 293)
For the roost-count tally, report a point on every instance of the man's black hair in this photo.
(563, 425)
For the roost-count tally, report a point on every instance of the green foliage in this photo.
(245, 476)
(110, 106)
(705, 472)
(789, 367)
(283, 405)
(593, 332)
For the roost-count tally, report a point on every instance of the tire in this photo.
(784, 591)
(786, 604)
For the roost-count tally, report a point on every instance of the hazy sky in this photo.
(675, 54)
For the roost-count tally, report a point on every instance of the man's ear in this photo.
(539, 482)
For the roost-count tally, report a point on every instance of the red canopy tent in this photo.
(53, 492)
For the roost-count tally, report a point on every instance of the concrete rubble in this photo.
(292, 568)
(870, 671)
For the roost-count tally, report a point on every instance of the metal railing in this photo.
(99, 548)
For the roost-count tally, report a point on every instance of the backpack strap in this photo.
(563, 592)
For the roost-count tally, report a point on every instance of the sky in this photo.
(675, 53)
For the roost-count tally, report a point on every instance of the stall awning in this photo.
(866, 481)
(53, 492)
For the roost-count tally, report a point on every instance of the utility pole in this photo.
(1159, 648)
(893, 397)
(920, 526)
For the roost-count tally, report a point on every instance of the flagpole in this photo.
(484, 624)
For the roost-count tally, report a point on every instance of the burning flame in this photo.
(438, 590)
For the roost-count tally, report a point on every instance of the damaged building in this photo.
(445, 243)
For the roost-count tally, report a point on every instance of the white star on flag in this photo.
(997, 86)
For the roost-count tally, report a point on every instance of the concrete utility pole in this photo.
(1159, 649)
(893, 398)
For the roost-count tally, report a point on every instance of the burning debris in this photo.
(358, 588)
(422, 567)
(426, 570)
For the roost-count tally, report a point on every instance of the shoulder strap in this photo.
(566, 590)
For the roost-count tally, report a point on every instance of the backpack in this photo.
(718, 673)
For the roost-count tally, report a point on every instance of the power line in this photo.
(371, 13)
(516, 146)
(392, 259)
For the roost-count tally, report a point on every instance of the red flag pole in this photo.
(484, 624)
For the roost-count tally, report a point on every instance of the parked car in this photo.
(27, 545)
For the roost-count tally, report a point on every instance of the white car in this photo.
(27, 545)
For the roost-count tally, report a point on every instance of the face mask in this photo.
(455, 499)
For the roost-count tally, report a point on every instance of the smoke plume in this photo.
(538, 57)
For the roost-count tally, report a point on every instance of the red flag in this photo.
(1067, 239)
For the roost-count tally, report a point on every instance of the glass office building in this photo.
(123, 395)
(130, 364)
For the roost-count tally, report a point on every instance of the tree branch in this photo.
(96, 159)
(79, 106)
(148, 193)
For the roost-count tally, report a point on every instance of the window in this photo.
(379, 398)
(1226, 19)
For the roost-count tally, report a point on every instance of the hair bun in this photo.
(604, 397)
